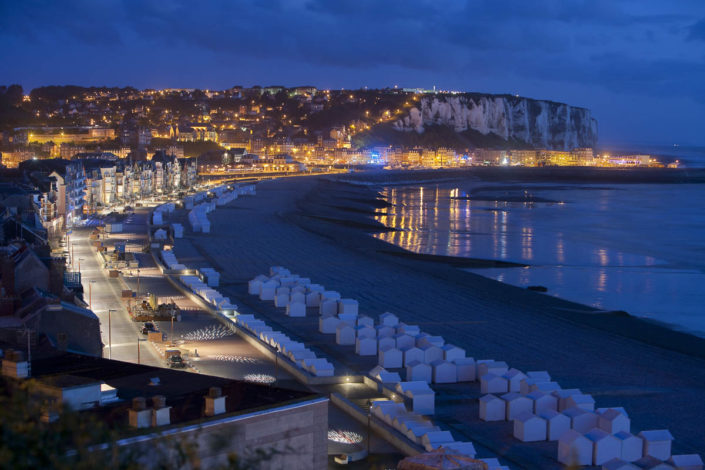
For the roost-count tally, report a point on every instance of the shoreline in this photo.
(657, 374)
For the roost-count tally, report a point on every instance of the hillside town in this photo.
(256, 129)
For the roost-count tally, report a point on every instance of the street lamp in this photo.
(90, 294)
(110, 333)
(79, 265)
(138, 282)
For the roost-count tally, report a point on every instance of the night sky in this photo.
(639, 65)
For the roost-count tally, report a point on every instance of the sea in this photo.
(638, 248)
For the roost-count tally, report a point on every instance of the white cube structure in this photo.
(348, 306)
(349, 318)
(328, 325)
(431, 353)
(563, 396)
(404, 341)
(424, 340)
(411, 330)
(657, 443)
(543, 401)
(388, 319)
(631, 446)
(613, 421)
(364, 320)
(686, 462)
(267, 290)
(444, 372)
(384, 330)
(313, 299)
(298, 297)
(529, 428)
(574, 449)
(364, 331)
(328, 308)
(541, 375)
(605, 446)
(516, 404)
(386, 342)
(344, 334)
(390, 357)
(486, 366)
(296, 309)
(466, 369)
(412, 354)
(419, 371)
(492, 408)
(514, 377)
(423, 399)
(452, 352)
(490, 383)
(366, 346)
(581, 420)
(584, 401)
(330, 295)
(557, 424)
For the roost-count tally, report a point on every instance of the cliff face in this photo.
(543, 124)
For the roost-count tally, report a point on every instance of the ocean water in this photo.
(637, 247)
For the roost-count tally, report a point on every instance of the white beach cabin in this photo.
(492, 408)
(605, 446)
(557, 424)
(328, 325)
(431, 353)
(348, 306)
(344, 334)
(686, 462)
(613, 421)
(444, 372)
(581, 420)
(543, 401)
(388, 319)
(412, 354)
(404, 341)
(584, 401)
(452, 352)
(529, 428)
(563, 396)
(491, 383)
(466, 369)
(296, 309)
(390, 357)
(657, 443)
(516, 404)
(514, 378)
(631, 446)
(366, 346)
(574, 449)
(487, 366)
(419, 371)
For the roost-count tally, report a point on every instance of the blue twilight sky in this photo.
(638, 64)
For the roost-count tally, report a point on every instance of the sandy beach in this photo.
(320, 229)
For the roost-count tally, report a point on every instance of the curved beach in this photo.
(320, 229)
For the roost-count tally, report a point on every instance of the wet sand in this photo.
(320, 229)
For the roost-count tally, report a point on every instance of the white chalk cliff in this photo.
(543, 124)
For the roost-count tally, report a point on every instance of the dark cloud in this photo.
(629, 47)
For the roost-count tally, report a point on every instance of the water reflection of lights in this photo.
(209, 333)
(260, 378)
(235, 358)
(344, 437)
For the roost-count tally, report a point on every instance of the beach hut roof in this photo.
(686, 460)
(596, 435)
(657, 435)
(612, 414)
(526, 416)
(512, 396)
(489, 398)
(571, 436)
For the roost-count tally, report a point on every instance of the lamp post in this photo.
(72, 258)
(110, 333)
(138, 282)
(90, 294)
(79, 265)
